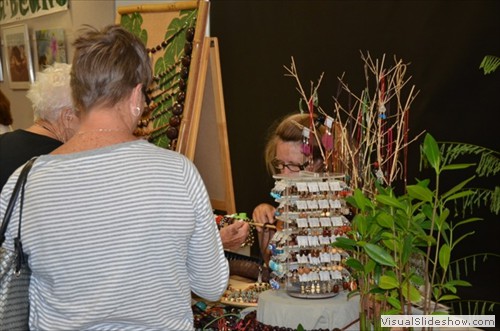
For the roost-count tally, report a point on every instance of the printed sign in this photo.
(18, 10)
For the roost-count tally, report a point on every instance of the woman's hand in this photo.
(263, 213)
(234, 235)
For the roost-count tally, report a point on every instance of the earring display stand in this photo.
(313, 210)
(311, 275)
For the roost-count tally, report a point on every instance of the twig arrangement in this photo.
(368, 140)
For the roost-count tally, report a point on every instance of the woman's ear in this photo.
(136, 98)
(67, 117)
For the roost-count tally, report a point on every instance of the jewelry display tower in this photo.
(187, 90)
(313, 211)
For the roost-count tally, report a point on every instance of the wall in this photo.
(444, 42)
(97, 13)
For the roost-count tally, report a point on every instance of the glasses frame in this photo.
(280, 165)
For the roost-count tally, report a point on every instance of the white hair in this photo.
(51, 92)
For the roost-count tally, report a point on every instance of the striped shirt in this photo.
(117, 239)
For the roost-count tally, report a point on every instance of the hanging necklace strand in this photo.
(167, 41)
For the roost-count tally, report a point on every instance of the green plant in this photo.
(402, 245)
(490, 63)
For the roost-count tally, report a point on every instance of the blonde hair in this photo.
(289, 129)
(51, 92)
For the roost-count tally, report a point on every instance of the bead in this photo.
(184, 73)
(182, 84)
(186, 60)
(174, 120)
(172, 132)
(188, 48)
(181, 96)
(177, 109)
(190, 34)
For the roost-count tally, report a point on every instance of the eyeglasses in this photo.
(280, 165)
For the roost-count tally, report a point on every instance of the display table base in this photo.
(277, 308)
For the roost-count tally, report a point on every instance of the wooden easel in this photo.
(203, 132)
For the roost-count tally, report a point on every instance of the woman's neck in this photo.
(45, 128)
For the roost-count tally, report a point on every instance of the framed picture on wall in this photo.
(50, 47)
(18, 64)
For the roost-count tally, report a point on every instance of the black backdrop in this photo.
(444, 42)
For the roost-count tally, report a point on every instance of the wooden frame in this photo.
(19, 65)
(211, 150)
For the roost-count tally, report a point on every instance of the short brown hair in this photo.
(107, 65)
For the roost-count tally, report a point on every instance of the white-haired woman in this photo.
(55, 121)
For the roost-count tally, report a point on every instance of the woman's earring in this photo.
(136, 111)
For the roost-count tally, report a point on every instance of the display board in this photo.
(212, 148)
(187, 110)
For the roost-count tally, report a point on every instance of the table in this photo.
(277, 308)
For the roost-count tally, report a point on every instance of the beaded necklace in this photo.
(166, 42)
(168, 91)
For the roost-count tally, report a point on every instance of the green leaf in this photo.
(370, 266)
(407, 248)
(414, 296)
(385, 220)
(458, 166)
(444, 256)
(361, 223)
(460, 195)
(379, 255)
(417, 280)
(394, 302)
(450, 288)
(355, 264)
(463, 237)
(459, 282)
(359, 200)
(377, 273)
(420, 193)
(432, 153)
(457, 187)
(469, 220)
(387, 282)
(389, 243)
(489, 64)
(345, 243)
(442, 218)
(389, 201)
(448, 297)
(393, 312)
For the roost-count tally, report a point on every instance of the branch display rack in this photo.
(313, 212)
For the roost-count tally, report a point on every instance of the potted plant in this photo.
(402, 244)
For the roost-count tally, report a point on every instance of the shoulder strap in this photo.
(21, 181)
